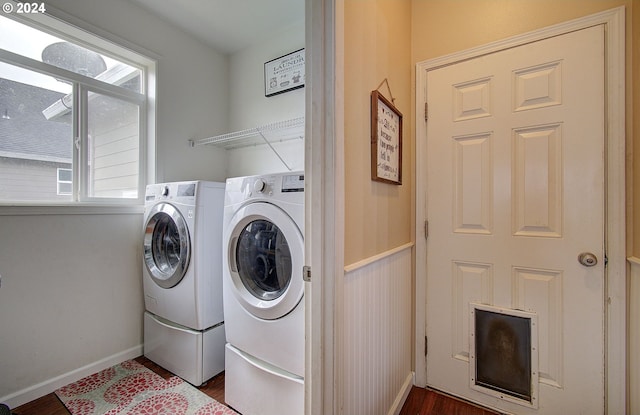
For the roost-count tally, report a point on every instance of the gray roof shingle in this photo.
(25, 132)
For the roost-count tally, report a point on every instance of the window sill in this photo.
(25, 209)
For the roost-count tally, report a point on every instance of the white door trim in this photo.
(324, 204)
(615, 239)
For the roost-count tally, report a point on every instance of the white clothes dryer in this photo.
(263, 256)
(182, 278)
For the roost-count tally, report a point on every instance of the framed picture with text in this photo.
(386, 140)
(284, 73)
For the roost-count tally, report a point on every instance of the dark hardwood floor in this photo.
(419, 402)
(429, 402)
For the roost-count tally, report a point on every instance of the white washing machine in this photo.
(263, 256)
(182, 278)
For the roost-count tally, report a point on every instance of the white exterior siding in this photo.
(30, 180)
(114, 162)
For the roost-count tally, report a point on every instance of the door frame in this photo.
(615, 223)
(324, 204)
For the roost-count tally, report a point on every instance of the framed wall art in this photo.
(284, 73)
(386, 140)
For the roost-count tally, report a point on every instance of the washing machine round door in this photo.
(265, 256)
(166, 245)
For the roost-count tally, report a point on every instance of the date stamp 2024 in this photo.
(24, 8)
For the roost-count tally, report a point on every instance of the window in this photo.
(74, 115)
(65, 183)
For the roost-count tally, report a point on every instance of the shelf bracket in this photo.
(273, 149)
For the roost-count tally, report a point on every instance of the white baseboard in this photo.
(43, 388)
(402, 395)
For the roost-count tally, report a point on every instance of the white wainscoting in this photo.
(634, 336)
(378, 329)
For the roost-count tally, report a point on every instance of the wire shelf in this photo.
(279, 131)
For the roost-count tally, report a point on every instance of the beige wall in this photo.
(441, 27)
(377, 45)
(386, 38)
(633, 130)
(462, 24)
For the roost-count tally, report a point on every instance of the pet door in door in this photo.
(504, 353)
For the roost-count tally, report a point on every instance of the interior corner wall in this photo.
(377, 46)
(249, 107)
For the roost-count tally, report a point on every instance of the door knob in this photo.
(587, 259)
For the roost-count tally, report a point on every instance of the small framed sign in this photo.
(386, 140)
(284, 73)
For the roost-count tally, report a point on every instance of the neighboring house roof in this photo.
(25, 133)
(121, 75)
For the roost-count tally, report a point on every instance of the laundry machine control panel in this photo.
(268, 185)
(184, 191)
(293, 183)
(290, 183)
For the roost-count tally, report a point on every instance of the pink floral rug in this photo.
(131, 389)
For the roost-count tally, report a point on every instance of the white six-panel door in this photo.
(515, 192)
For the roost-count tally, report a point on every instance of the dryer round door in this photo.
(167, 246)
(265, 252)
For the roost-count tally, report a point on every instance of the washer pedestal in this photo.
(195, 356)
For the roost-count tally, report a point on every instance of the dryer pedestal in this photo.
(254, 387)
(195, 356)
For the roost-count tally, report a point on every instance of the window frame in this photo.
(82, 87)
(84, 166)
